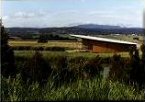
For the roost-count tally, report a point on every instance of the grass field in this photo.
(70, 44)
(69, 53)
(74, 45)
(96, 89)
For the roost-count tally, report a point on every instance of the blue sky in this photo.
(59, 13)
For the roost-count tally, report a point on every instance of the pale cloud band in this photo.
(126, 16)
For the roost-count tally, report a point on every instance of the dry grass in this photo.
(70, 44)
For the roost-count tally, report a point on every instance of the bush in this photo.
(22, 48)
(61, 72)
(36, 69)
(137, 70)
(42, 38)
(93, 67)
(76, 65)
(20, 63)
(143, 51)
(118, 68)
(55, 48)
(38, 48)
(7, 55)
(143, 64)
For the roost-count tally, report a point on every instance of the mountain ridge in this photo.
(79, 29)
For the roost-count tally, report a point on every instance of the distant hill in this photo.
(95, 26)
(85, 29)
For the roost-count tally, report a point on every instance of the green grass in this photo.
(69, 43)
(96, 89)
(74, 53)
(33, 43)
(74, 46)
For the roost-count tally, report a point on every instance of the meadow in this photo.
(34, 43)
(82, 90)
(71, 48)
(72, 74)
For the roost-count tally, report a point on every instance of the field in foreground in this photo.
(86, 89)
(96, 89)
(89, 89)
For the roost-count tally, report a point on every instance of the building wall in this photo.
(98, 46)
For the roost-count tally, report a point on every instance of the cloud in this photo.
(5, 17)
(41, 18)
(82, 0)
(22, 14)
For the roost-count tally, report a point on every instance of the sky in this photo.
(62, 13)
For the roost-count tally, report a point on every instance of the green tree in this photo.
(36, 69)
(143, 52)
(7, 55)
(143, 62)
(42, 38)
(137, 70)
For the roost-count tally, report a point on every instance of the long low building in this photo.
(97, 44)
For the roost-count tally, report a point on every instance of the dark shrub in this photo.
(27, 48)
(105, 60)
(76, 65)
(20, 63)
(141, 71)
(42, 38)
(143, 63)
(143, 52)
(59, 62)
(61, 72)
(93, 67)
(36, 69)
(38, 48)
(136, 69)
(14, 47)
(55, 48)
(7, 55)
(22, 47)
(118, 68)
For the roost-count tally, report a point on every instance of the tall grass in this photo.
(96, 89)
(29, 53)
